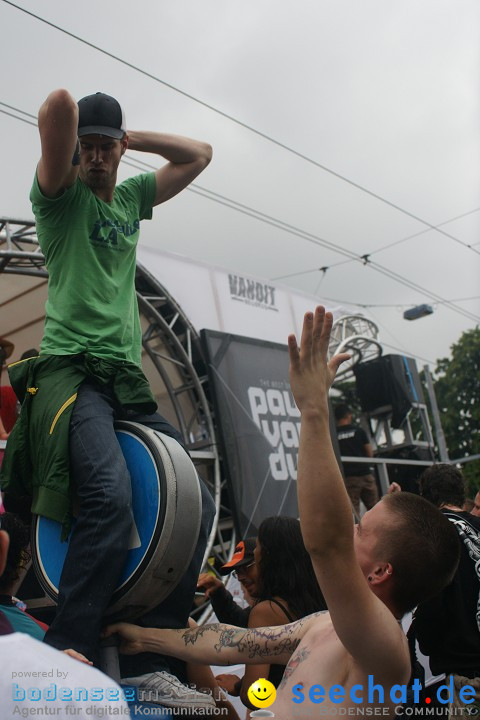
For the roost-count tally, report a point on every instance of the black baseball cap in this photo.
(101, 114)
(242, 556)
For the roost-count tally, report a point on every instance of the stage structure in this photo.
(215, 354)
(172, 358)
(177, 299)
(357, 335)
(391, 396)
(395, 415)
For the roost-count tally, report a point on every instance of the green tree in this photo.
(457, 388)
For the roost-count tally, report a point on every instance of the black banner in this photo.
(259, 426)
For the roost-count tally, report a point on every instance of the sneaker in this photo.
(164, 689)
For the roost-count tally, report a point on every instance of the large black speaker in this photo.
(390, 381)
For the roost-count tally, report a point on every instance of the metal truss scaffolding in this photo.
(172, 359)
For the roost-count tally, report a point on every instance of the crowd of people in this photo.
(325, 596)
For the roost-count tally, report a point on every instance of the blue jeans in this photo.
(99, 541)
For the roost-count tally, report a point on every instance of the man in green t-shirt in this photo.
(88, 228)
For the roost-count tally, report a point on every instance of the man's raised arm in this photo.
(215, 644)
(364, 624)
(57, 123)
(186, 159)
(325, 509)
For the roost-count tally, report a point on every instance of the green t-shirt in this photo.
(90, 254)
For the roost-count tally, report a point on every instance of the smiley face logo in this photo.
(262, 693)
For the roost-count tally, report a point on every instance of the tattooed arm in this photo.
(215, 644)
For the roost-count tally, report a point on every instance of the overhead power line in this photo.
(313, 270)
(287, 227)
(11, 107)
(401, 350)
(426, 230)
(29, 122)
(244, 125)
(414, 286)
(333, 247)
(310, 237)
(396, 305)
(381, 249)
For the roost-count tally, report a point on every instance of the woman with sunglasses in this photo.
(243, 568)
(283, 587)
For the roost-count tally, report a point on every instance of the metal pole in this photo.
(109, 662)
(383, 477)
(442, 445)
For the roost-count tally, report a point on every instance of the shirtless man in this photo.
(402, 551)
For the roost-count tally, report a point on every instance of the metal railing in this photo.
(382, 464)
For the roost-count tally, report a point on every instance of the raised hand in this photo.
(311, 373)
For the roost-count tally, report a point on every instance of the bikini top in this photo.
(283, 608)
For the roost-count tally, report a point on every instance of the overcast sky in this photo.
(383, 95)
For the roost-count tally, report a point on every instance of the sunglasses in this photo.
(242, 569)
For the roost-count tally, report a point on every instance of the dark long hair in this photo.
(285, 569)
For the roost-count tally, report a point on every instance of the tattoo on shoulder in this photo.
(293, 664)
